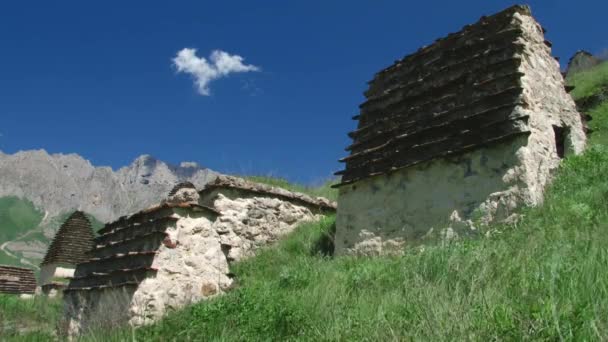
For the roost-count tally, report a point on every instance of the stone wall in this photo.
(179, 252)
(381, 211)
(184, 266)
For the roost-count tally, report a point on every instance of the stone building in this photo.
(69, 247)
(461, 132)
(17, 280)
(179, 251)
(581, 61)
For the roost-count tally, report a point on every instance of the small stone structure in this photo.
(581, 61)
(17, 280)
(466, 129)
(179, 252)
(254, 214)
(184, 192)
(69, 247)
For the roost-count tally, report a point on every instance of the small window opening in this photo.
(560, 140)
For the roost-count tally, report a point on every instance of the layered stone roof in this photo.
(179, 186)
(72, 242)
(242, 185)
(447, 98)
(125, 249)
(17, 280)
(152, 213)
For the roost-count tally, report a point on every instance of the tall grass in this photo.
(590, 82)
(28, 319)
(544, 279)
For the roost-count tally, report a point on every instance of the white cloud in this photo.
(221, 64)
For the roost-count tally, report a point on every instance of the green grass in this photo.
(8, 260)
(16, 217)
(28, 319)
(324, 190)
(588, 83)
(544, 279)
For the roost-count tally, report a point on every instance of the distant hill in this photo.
(38, 190)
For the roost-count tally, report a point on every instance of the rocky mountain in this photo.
(57, 184)
(581, 61)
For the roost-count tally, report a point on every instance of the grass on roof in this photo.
(324, 190)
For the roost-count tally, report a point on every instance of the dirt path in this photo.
(21, 260)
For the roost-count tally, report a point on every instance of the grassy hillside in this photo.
(17, 216)
(28, 320)
(544, 279)
(589, 83)
(20, 221)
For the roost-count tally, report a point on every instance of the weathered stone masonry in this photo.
(469, 127)
(179, 251)
(254, 215)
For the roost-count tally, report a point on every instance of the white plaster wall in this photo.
(381, 214)
(54, 270)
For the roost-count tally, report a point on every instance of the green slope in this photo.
(17, 216)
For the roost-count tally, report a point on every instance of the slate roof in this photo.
(72, 242)
(17, 280)
(124, 251)
(151, 213)
(447, 98)
(179, 186)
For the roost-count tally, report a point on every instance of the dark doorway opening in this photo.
(560, 140)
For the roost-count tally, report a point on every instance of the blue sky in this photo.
(99, 80)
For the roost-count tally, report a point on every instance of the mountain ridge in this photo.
(59, 183)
